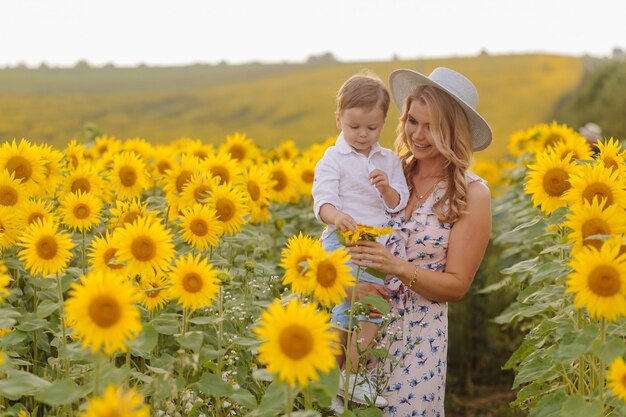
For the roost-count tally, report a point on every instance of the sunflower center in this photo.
(555, 182)
(81, 211)
(225, 210)
(105, 311)
(108, 256)
(281, 180)
(8, 195)
(198, 227)
(221, 173)
(130, 217)
(600, 190)
(299, 266)
(20, 167)
(553, 140)
(296, 341)
(201, 154)
(182, 179)
(604, 281)
(326, 274)
(254, 190)
(80, 184)
(192, 282)
(237, 152)
(47, 247)
(154, 293)
(610, 163)
(594, 227)
(33, 217)
(128, 176)
(307, 176)
(143, 248)
(163, 166)
(74, 160)
(200, 192)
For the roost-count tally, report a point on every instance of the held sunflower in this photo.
(102, 312)
(298, 342)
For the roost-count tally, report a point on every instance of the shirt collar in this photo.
(344, 148)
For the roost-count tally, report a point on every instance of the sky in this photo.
(181, 32)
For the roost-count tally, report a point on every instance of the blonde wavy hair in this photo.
(449, 128)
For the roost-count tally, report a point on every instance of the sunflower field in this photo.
(187, 279)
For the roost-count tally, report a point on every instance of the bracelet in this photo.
(414, 277)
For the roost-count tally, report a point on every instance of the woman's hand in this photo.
(363, 289)
(368, 254)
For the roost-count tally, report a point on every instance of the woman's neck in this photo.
(430, 171)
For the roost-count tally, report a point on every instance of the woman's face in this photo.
(418, 134)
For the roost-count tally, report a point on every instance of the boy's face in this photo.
(361, 127)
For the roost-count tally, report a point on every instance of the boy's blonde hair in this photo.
(364, 90)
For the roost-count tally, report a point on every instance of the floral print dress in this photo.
(418, 331)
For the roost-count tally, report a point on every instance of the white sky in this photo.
(160, 32)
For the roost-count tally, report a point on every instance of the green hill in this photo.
(270, 103)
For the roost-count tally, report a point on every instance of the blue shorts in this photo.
(340, 312)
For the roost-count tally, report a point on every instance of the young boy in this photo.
(358, 181)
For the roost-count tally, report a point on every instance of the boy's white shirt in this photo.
(342, 179)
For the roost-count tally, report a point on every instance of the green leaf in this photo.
(191, 340)
(375, 273)
(549, 406)
(246, 341)
(573, 345)
(146, 341)
(244, 397)
(20, 383)
(33, 324)
(61, 392)
(45, 308)
(305, 413)
(340, 238)
(576, 406)
(211, 384)
(272, 402)
(348, 413)
(203, 320)
(378, 302)
(166, 323)
(612, 348)
(369, 412)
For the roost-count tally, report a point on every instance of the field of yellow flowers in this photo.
(187, 279)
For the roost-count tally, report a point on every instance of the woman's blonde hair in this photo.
(449, 128)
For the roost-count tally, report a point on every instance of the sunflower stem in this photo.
(347, 362)
(289, 404)
(82, 255)
(35, 349)
(601, 362)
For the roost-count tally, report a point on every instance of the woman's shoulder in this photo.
(471, 177)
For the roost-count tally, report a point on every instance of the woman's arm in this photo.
(466, 247)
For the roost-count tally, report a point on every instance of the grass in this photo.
(270, 103)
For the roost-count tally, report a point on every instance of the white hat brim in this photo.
(404, 81)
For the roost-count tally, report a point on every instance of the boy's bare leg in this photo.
(365, 336)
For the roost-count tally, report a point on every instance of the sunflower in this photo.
(24, 161)
(328, 274)
(102, 256)
(5, 278)
(102, 312)
(596, 181)
(241, 149)
(128, 175)
(12, 191)
(586, 220)
(287, 150)
(281, 172)
(365, 232)
(200, 227)
(163, 159)
(575, 146)
(487, 170)
(80, 211)
(194, 282)
(9, 227)
(297, 342)
(256, 182)
(598, 281)
(153, 293)
(127, 211)
(117, 402)
(550, 135)
(523, 141)
(104, 145)
(75, 154)
(196, 190)
(230, 207)
(223, 167)
(138, 146)
(548, 180)
(317, 150)
(45, 250)
(297, 251)
(260, 215)
(53, 170)
(305, 173)
(199, 149)
(177, 177)
(86, 179)
(145, 245)
(616, 378)
(611, 155)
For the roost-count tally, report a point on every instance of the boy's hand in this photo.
(344, 222)
(380, 180)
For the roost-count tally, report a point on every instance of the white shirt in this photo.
(342, 179)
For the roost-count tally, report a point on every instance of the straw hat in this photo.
(404, 81)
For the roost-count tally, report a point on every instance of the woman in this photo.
(439, 241)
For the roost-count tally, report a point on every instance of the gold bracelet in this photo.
(414, 277)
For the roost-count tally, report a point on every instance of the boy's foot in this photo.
(360, 390)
